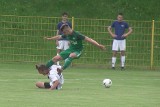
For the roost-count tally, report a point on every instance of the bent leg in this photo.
(45, 85)
(40, 84)
(53, 61)
(69, 60)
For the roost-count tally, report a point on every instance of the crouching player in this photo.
(56, 79)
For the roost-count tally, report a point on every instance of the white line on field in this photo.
(82, 79)
(8, 69)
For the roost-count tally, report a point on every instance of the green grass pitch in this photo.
(82, 88)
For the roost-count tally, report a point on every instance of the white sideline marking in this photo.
(6, 69)
(4, 80)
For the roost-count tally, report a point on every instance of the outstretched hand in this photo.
(102, 47)
(45, 38)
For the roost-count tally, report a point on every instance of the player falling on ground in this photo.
(119, 39)
(56, 80)
(75, 49)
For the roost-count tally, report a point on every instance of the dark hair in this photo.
(120, 14)
(41, 67)
(63, 26)
(65, 13)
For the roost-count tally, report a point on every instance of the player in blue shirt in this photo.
(64, 21)
(119, 39)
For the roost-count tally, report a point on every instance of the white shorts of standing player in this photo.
(119, 45)
(116, 46)
(63, 45)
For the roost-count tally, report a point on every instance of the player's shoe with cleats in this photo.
(122, 68)
(113, 68)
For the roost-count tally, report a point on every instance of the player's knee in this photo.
(56, 58)
(122, 53)
(39, 84)
(114, 54)
(72, 55)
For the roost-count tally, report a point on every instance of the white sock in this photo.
(57, 61)
(122, 61)
(113, 61)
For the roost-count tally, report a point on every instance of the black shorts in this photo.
(47, 85)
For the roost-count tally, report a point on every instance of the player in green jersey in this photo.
(75, 49)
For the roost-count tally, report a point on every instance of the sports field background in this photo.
(135, 87)
(82, 88)
(22, 40)
(24, 24)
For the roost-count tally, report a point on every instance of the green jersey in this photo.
(75, 40)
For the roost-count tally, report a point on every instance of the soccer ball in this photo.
(107, 83)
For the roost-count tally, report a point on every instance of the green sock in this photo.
(67, 63)
(49, 63)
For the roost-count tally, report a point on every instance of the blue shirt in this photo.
(120, 28)
(59, 26)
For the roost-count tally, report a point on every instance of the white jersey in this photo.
(53, 76)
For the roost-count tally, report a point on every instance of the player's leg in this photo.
(59, 48)
(114, 50)
(54, 60)
(43, 85)
(122, 59)
(68, 61)
(61, 80)
(114, 59)
(122, 49)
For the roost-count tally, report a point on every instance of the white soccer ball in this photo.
(107, 83)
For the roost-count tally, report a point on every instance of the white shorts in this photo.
(63, 44)
(119, 45)
(57, 77)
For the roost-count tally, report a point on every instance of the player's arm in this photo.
(55, 84)
(53, 38)
(57, 40)
(128, 33)
(57, 32)
(110, 32)
(94, 43)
